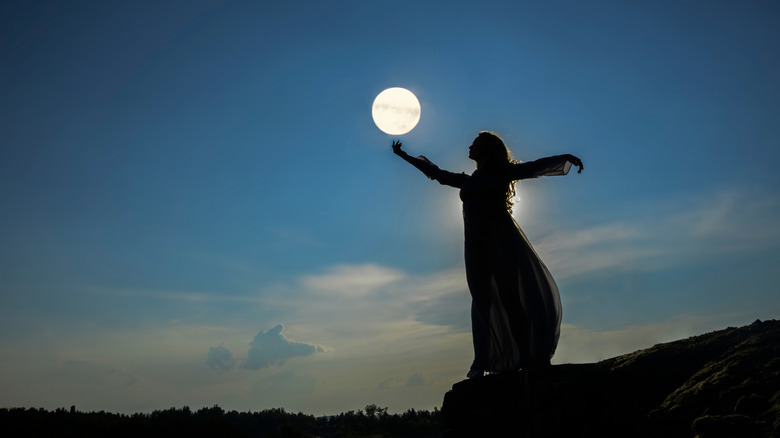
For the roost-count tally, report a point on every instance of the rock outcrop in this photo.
(721, 384)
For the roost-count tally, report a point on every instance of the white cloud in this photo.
(270, 347)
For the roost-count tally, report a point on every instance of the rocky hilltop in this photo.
(720, 384)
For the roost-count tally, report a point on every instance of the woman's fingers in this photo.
(577, 162)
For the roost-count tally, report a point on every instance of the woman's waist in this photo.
(485, 207)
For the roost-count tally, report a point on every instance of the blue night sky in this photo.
(198, 209)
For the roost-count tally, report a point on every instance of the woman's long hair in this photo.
(498, 156)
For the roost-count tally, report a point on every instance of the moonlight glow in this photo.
(396, 111)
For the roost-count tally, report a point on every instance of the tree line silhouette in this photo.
(372, 421)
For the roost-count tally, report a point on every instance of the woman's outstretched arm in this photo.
(549, 166)
(429, 169)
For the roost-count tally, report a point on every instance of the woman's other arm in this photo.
(549, 166)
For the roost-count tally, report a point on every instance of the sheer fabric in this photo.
(516, 308)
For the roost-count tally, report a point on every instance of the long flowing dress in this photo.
(516, 308)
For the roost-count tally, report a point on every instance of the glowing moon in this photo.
(396, 111)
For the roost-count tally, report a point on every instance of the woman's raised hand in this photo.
(397, 147)
(575, 161)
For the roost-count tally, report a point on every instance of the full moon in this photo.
(396, 111)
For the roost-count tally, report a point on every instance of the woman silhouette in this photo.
(515, 308)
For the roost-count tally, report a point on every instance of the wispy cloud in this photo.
(676, 233)
(734, 219)
(182, 295)
(574, 252)
(351, 280)
(354, 308)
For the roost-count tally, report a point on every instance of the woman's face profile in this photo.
(476, 150)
